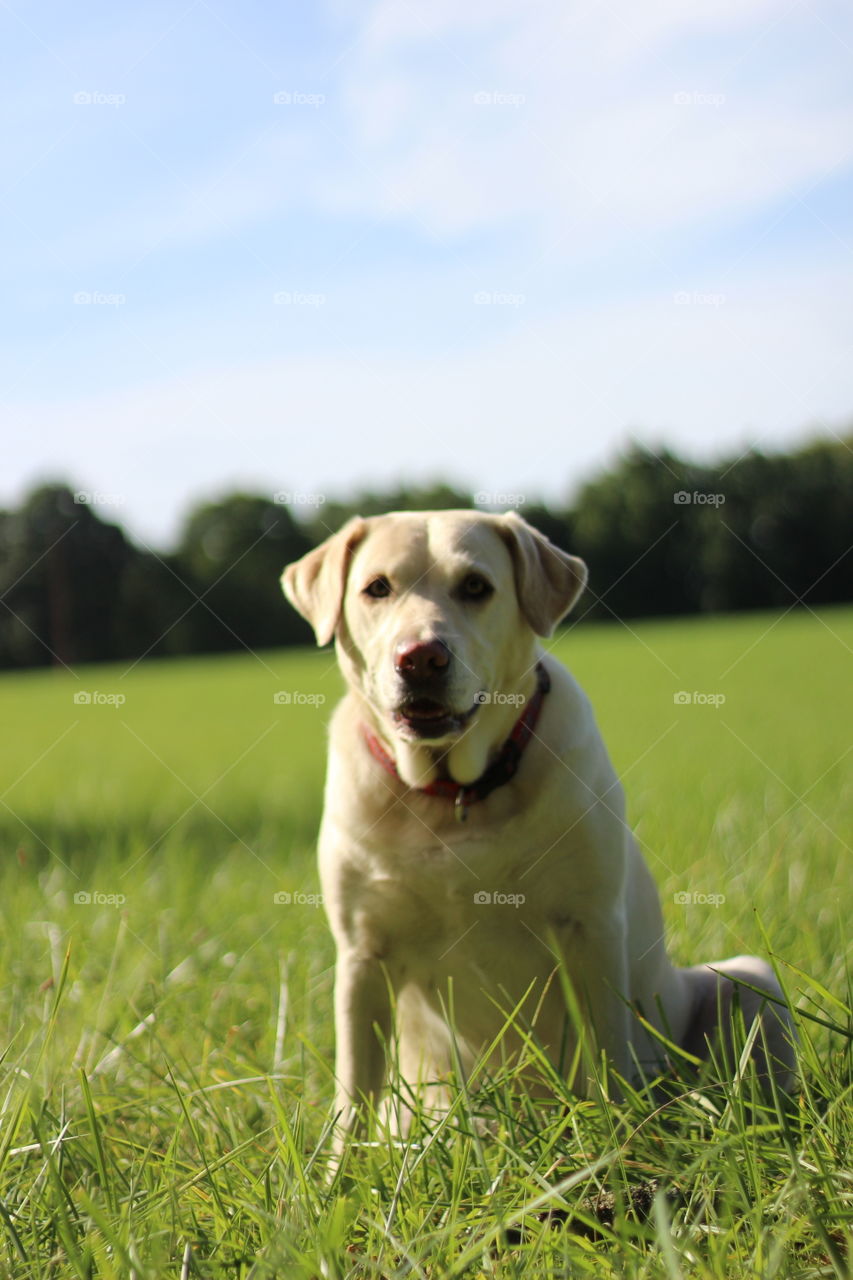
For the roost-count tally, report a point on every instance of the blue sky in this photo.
(318, 247)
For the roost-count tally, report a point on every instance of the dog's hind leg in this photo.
(718, 989)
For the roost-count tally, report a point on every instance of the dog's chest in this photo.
(468, 898)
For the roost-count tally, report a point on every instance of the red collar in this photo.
(499, 771)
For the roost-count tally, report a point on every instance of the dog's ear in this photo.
(315, 584)
(548, 580)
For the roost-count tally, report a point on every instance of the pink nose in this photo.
(423, 660)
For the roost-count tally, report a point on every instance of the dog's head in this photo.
(436, 616)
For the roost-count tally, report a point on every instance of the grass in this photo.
(167, 1043)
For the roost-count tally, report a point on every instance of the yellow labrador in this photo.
(473, 843)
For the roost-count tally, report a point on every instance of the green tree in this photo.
(329, 517)
(641, 538)
(785, 531)
(59, 582)
(231, 555)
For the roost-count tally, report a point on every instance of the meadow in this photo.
(166, 983)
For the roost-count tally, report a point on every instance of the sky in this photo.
(311, 249)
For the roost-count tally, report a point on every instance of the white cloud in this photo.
(608, 119)
(596, 191)
(595, 152)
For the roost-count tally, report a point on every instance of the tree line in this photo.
(662, 536)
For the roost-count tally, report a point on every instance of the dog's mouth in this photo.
(428, 718)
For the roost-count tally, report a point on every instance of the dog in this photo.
(473, 851)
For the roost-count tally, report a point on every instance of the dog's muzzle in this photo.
(423, 667)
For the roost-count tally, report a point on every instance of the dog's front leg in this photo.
(597, 966)
(610, 1015)
(362, 1029)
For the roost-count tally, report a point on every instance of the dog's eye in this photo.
(475, 587)
(378, 589)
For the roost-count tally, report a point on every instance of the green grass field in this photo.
(167, 1038)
